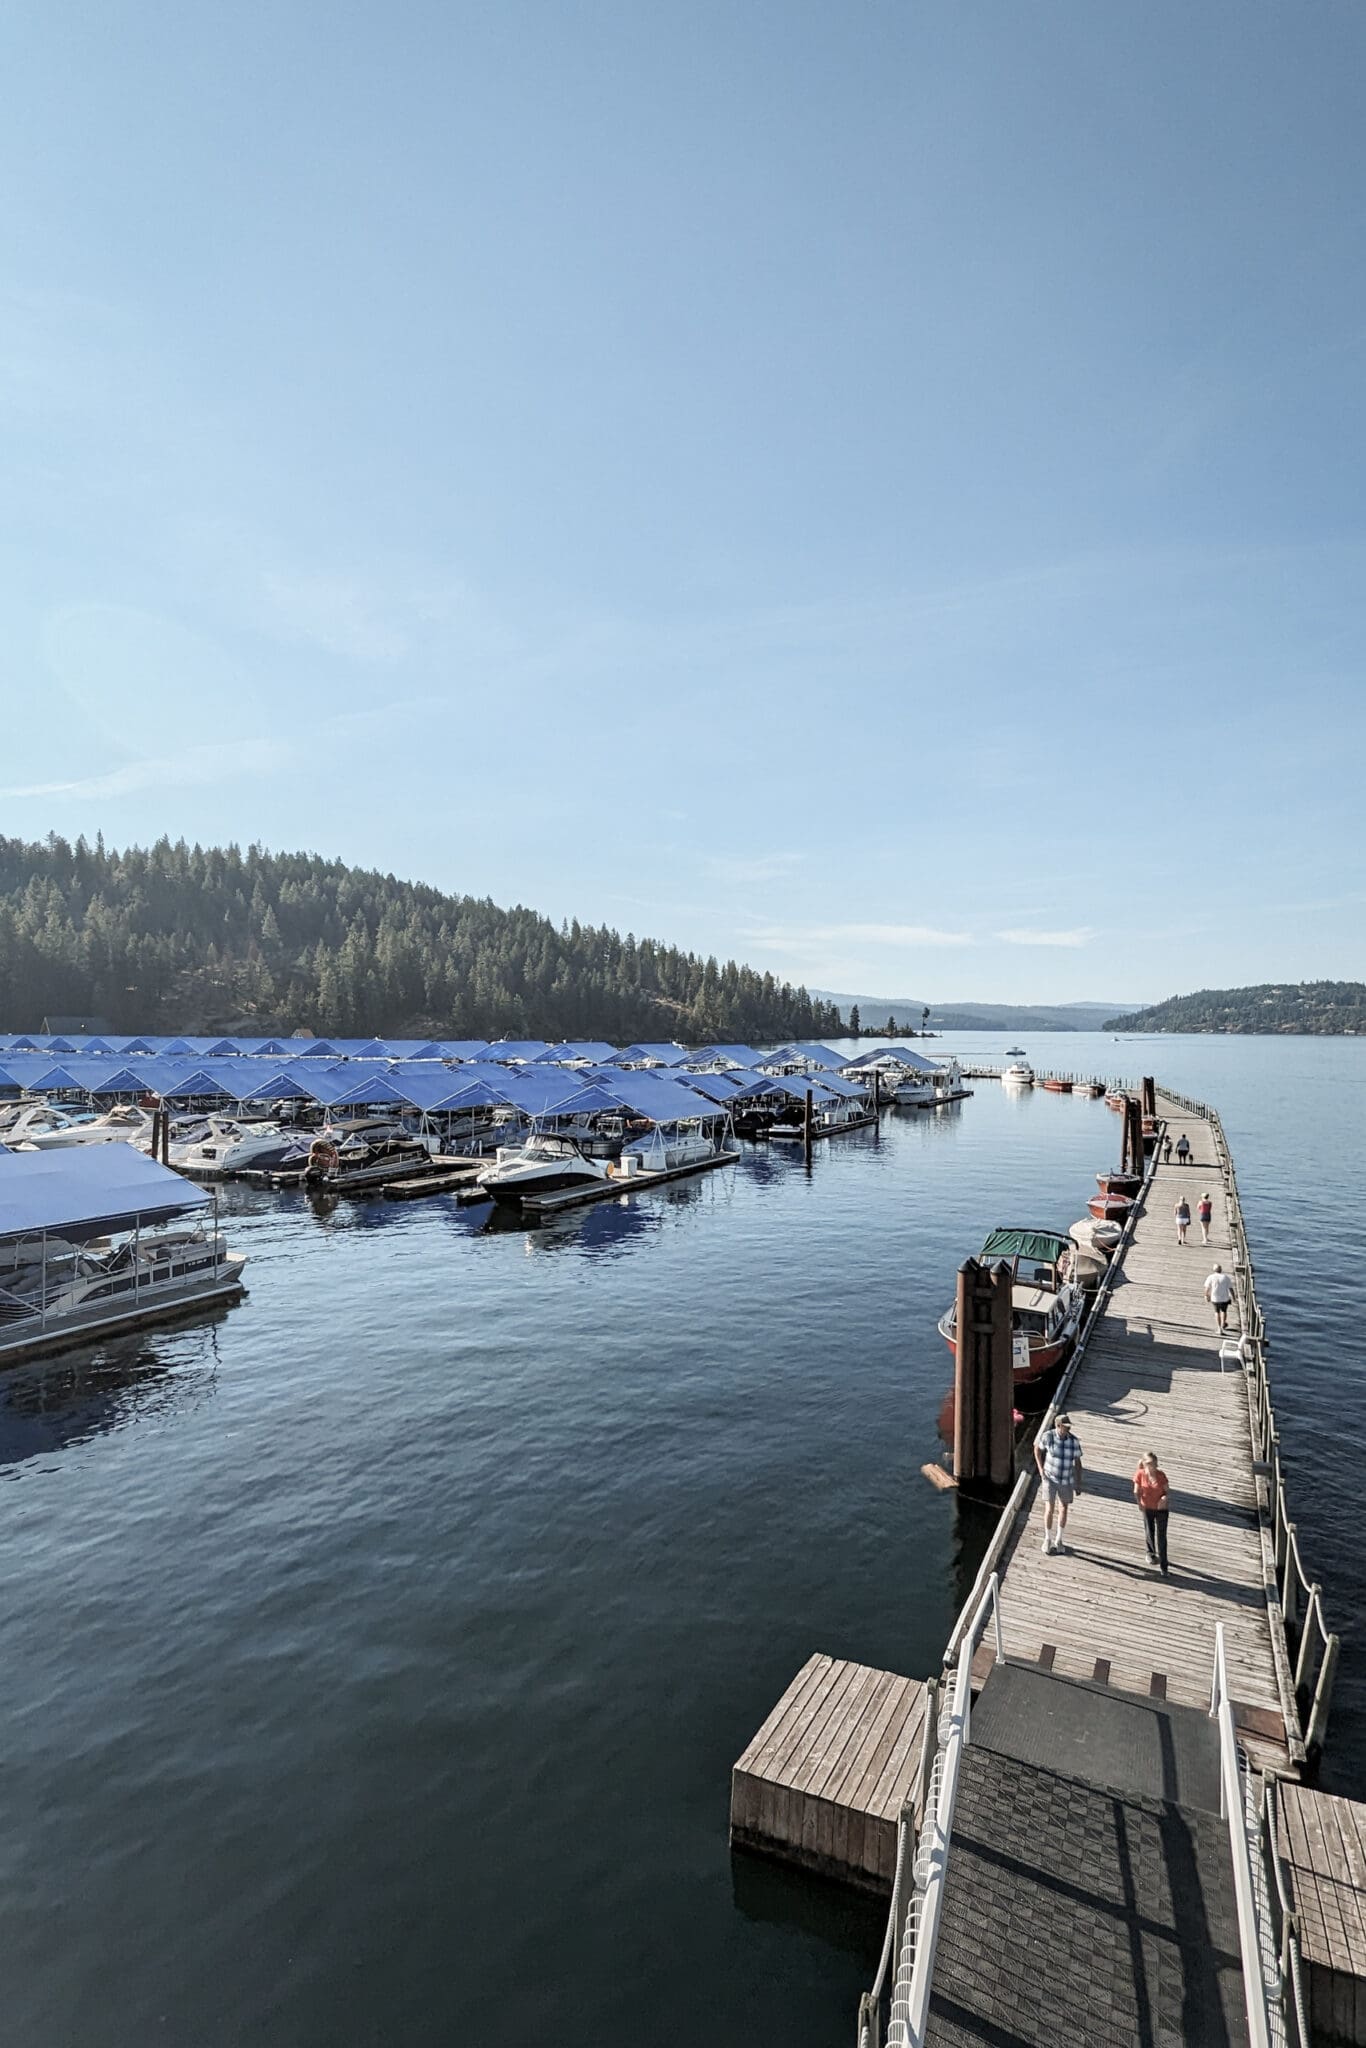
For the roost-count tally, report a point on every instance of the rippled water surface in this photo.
(375, 1656)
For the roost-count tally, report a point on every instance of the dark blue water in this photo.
(376, 1655)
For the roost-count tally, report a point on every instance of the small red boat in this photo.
(1058, 1087)
(1115, 1100)
(1110, 1208)
(1119, 1183)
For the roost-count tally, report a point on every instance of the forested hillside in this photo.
(205, 939)
(1330, 1007)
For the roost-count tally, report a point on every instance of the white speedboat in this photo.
(1020, 1075)
(126, 1124)
(34, 1122)
(222, 1145)
(549, 1163)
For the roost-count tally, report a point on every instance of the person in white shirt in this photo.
(1219, 1293)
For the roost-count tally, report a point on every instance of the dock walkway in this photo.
(1152, 1379)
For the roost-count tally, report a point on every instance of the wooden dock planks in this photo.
(1322, 1841)
(1151, 1380)
(823, 1781)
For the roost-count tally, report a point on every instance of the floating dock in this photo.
(1100, 1835)
(625, 1184)
(825, 1779)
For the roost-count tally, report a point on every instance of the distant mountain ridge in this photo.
(874, 1011)
(1333, 1009)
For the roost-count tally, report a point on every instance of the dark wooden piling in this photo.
(983, 1434)
(807, 1123)
(1149, 1095)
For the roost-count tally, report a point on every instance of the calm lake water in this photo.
(375, 1656)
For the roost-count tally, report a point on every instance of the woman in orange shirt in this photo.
(1150, 1491)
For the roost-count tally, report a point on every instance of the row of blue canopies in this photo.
(663, 1082)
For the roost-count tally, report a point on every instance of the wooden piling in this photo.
(1149, 1095)
(983, 1433)
(807, 1122)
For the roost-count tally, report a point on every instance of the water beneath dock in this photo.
(376, 1656)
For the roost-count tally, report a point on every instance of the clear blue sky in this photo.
(874, 489)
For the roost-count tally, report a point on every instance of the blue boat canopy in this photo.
(804, 1056)
(85, 1191)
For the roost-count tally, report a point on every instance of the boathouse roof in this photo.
(804, 1056)
(721, 1055)
(83, 1191)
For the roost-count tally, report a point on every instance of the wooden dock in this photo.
(1321, 1841)
(1100, 1835)
(824, 1781)
(1152, 1378)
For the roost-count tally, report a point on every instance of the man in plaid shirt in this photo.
(1058, 1457)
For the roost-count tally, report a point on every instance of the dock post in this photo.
(806, 1128)
(1149, 1096)
(1132, 1161)
(983, 1381)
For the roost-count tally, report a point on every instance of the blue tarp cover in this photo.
(83, 1191)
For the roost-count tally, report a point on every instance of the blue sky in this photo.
(874, 490)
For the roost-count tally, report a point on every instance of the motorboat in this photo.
(1119, 1183)
(124, 1124)
(368, 1152)
(1046, 1302)
(547, 1163)
(33, 1123)
(1015, 1052)
(928, 1091)
(222, 1145)
(1110, 1208)
(669, 1147)
(1020, 1075)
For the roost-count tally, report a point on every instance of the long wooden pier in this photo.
(1151, 1716)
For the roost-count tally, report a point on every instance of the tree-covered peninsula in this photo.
(1328, 1008)
(206, 939)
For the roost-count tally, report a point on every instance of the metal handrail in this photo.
(1231, 1808)
(919, 1932)
(1313, 1646)
(1284, 1922)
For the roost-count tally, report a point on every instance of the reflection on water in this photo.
(80, 1394)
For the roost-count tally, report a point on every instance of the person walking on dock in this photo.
(1219, 1293)
(1183, 1218)
(1058, 1457)
(1150, 1491)
(1205, 1212)
(1166, 1148)
(1183, 1149)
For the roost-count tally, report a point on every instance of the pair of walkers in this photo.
(1204, 1211)
(1057, 1453)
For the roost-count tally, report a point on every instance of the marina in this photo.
(347, 1335)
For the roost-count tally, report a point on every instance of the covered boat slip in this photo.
(62, 1280)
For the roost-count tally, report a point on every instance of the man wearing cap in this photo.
(1058, 1457)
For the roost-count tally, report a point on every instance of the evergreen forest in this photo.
(178, 938)
(1324, 1008)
